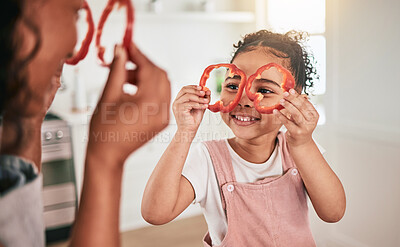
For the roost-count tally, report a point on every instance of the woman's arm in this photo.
(97, 223)
(167, 192)
(323, 186)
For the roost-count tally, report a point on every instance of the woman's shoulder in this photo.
(19, 206)
(15, 172)
(20, 202)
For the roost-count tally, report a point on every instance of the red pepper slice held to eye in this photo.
(81, 54)
(288, 83)
(128, 31)
(233, 70)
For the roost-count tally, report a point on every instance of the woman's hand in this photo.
(121, 122)
(189, 107)
(299, 117)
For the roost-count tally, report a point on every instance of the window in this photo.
(303, 15)
(308, 16)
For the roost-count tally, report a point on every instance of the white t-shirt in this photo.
(199, 170)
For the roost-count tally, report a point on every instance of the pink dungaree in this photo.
(270, 212)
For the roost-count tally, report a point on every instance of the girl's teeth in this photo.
(244, 119)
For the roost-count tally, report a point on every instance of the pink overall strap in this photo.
(222, 163)
(287, 160)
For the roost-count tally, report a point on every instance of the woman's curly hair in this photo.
(13, 74)
(288, 45)
(12, 69)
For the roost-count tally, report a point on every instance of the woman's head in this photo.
(37, 36)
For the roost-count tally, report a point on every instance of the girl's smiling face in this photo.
(245, 121)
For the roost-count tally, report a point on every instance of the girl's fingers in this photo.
(290, 125)
(188, 106)
(293, 112)
(191, 89)
(310, 113)
(194, 98)
(286, 113)
(293, 97)
(302, 103)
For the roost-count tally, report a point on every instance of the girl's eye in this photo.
(265, 91)
(232, 86)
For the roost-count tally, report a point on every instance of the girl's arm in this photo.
(323, 186)
(167, 192)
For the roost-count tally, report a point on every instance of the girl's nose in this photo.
(244, 105)
(245, 101)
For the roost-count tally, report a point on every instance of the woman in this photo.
(36, 38)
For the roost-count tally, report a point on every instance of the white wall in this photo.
(362, 134)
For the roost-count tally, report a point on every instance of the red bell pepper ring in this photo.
(128, 31)
(233, 70)
(288, 82)
(81, 54)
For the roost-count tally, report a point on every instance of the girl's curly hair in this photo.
(288, 45)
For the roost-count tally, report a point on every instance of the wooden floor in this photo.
(181, 233)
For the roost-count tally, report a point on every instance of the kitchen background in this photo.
(356, 46)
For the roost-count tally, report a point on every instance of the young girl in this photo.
(252, 187)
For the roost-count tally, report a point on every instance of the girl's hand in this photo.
(121, 122)
(189, 107)
(299, 117)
